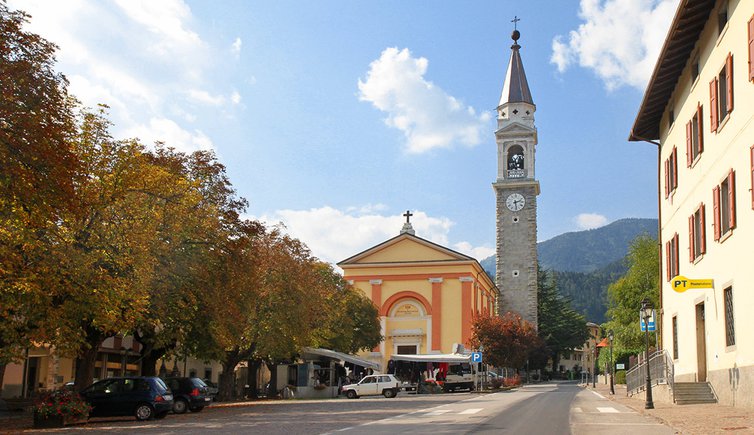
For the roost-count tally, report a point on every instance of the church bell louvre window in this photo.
(721, 95)
(694, 137)
(724, 200)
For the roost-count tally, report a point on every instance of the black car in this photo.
(142, 397)
(189, 394)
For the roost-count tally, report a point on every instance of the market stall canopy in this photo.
(441, 357)
(339, 356)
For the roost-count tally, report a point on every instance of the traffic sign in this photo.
(651, 322)
(476, 357)
(680, 283)
(620, 367)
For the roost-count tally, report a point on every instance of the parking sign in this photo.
(476, 357)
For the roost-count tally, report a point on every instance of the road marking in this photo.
(471, 410)
(597, 394)
(577, 409)
(607, 409)
(438, 412)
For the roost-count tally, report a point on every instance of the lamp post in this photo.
(594, 366)
(646, 313)
(610, 337)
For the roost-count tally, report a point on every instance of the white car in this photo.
(373, 385)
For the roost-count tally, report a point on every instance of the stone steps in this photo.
(689, 393)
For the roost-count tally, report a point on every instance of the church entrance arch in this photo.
(407, 323)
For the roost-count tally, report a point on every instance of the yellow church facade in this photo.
(427, 295)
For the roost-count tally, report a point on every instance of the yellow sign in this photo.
(681, 283)
(407, 310)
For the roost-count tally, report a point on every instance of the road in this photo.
(551, 408)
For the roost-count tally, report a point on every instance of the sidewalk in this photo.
(700, 419)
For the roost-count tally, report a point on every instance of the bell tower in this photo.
(516, 190)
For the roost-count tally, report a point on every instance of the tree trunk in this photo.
(2, 375)
(85, 368)
(254, 365)
(273, 390)
(226, 385)
(149, 363)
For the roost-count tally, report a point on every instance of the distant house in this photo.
(699, 110)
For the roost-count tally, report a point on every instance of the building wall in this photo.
(728, 261)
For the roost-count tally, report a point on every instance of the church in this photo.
(428, 295)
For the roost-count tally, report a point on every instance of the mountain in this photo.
(586, 262)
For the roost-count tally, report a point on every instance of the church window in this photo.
(694, 137)
(697, 236)
(724, 206)
(671, 257)
(721, 95)
(671, 172)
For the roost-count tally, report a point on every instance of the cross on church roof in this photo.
(408, 215)
(515, 21)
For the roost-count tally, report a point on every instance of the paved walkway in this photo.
(703, 419)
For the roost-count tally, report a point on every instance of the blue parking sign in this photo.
(476, 357)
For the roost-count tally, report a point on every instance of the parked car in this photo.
(373, 385)
(189, 394)
(212, 388)
(143, 397)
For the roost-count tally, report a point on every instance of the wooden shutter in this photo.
(691, 238)
(699, 128)
(751, 48)
(713, 104)
(751, 151)
(689, 154)
(732, 199)
(667, 260)
(716, 211)
(667, 178)
(703, 235)
(676, 270)
(729, 80)
(675, 167)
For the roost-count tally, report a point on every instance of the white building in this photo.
(699, 105)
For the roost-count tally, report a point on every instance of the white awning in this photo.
(340, 356)
(443, 358)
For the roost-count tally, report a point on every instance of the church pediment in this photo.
(514, 129)
(405, 249)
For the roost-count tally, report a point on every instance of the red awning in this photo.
(604, 343)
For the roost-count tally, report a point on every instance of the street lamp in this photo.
(646, 313)
(594, 368)
(610, 337)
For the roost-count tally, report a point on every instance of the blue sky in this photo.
(334, 117)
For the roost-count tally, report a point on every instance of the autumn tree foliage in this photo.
(507, 340)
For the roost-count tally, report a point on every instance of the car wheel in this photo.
(161, 415)
(351, 394)
(180, 406)
(144, 412)
(389, 393)
(197, 409)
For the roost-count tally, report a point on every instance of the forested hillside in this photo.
(586, 262)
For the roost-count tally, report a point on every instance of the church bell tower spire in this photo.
(516, 191)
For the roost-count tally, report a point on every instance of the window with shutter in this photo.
(674, 167)
(729, 81)
(676, 270)
(751, 48)
(731, 199)
(667, 177)
(713, 104)
(724, 206)
(697, 244)
(689, 157)
(667, 261)
(692, 237)
(698, 131)
(702, 230)
(716, 211)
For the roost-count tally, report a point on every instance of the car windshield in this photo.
(160, 385)
(367, 380)
(198, 382)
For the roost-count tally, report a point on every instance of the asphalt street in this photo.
(551, 408)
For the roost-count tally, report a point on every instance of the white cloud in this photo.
(138, 57)
(619, 40)
(334, 235)
(478, 252)
(588, 221)
(236, 47)
(235, 97)
(428, 117)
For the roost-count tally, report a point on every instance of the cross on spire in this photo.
(408, 215)
(515, 21)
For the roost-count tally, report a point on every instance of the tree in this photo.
(36, 164)
(560, 326)
(507, 341)
(625, 295)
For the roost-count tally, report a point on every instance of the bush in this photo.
(620, 377)
(65, 403)
(512, 381)
(496, 383)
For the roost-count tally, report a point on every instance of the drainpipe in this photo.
(660, 312)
